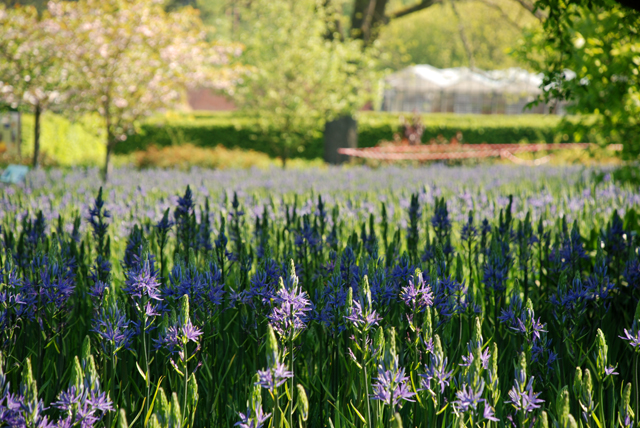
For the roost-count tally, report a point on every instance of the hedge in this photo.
(234, 130)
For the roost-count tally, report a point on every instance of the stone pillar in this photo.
(339, 133)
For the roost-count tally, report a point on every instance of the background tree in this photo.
(299, 78)
(33, 74)
(428, 36)
(589, 52)
(133, 58)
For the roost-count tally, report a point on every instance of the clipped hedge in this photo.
(235, 130)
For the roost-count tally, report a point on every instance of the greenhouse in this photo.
(426, 89)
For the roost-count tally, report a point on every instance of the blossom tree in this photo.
(33, 75)
(133, 58)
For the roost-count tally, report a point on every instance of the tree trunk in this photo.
(339, 133)
(19, 135)
(36, 137)
(107, 162)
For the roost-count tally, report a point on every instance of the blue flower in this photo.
(392, 385)
(524, 399)
(271, 378)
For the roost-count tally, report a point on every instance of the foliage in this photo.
(299, 78)
(187, 156)
(347, 297)
(132, 58)
(246, 132)
(64, 142)
(598, 42)
(31, 70)
(432, 36)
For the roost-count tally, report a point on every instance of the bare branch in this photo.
(463, 35)
(505, 16)
(531, 8)
(424, 4)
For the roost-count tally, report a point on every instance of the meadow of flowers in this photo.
(431, 297)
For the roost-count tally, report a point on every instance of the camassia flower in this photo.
(360, 319)
(633, 337)
(392, 385)
(179, 335)
(271, 378)
(417, 295)
(436, 370)
(524, 399)
(289, 316)
(255, 421)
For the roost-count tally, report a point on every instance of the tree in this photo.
(133, 58)
(428, 36)
(298, 77)
(33, 75)
(589, 52)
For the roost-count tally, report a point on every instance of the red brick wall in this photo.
(205, 99)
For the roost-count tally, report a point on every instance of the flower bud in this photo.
(292, 274)
(577, 382)
(86, 348)
(273, 356)
(29, 385)
(366, 291)
(437, 346)
(77, 375)
(391, 351)
(378, 340)
(303, 403)
(476, 335)
(427, 327)
(587, 383)
(543, 420)
(153, 422)
(601, 353)
(521, 369)
(349, 300)
(122, 419)
(192, 395)
(562, 406)
(184, 307)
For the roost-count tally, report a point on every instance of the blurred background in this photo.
(224, 84)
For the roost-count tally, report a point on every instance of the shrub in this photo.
(235, 130)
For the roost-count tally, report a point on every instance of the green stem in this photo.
(636, 385)
(146, 362)
(292, 373)
(186, 379)
(366, 377)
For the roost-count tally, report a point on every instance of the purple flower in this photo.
(360, 319)
(113, 328)
(468, 398)
(610, 371)
(274, 377)
(178, 336)
(247, 421)
(142, 281)
(524, 400)
(485, 355)
(418, 297)
(436, 370)
(633, 337)
(289, 316)
(488, 414)
(392, 385)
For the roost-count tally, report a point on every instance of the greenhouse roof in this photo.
(426, 77)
